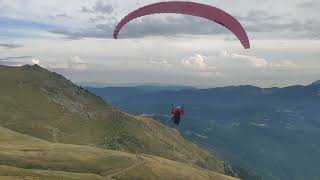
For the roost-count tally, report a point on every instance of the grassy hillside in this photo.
(45, 105)
(22, 156)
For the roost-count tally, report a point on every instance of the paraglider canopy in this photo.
(189, 8)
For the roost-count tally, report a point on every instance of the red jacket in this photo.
(175, 111)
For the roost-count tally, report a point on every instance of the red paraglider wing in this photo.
(189, 8)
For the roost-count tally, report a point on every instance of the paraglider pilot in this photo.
(176, 114)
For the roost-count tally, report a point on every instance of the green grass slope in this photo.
(25, 157)
(45, 105)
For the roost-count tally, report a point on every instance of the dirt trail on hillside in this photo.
(141, 161)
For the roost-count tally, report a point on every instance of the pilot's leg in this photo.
(177, 120)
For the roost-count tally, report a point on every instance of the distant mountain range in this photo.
(155, 85)
(52, 129)
(274, 131)
(115, 94)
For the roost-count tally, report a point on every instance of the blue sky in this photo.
(74, 38)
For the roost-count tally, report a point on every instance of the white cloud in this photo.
(77, 63)
(99, 7)
(160, 62)
(287, 64)
(197, 62)
(250, 60)
(258, 62)
(35, 61)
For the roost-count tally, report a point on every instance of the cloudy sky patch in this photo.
(75, 38)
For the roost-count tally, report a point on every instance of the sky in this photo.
(74, 38)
